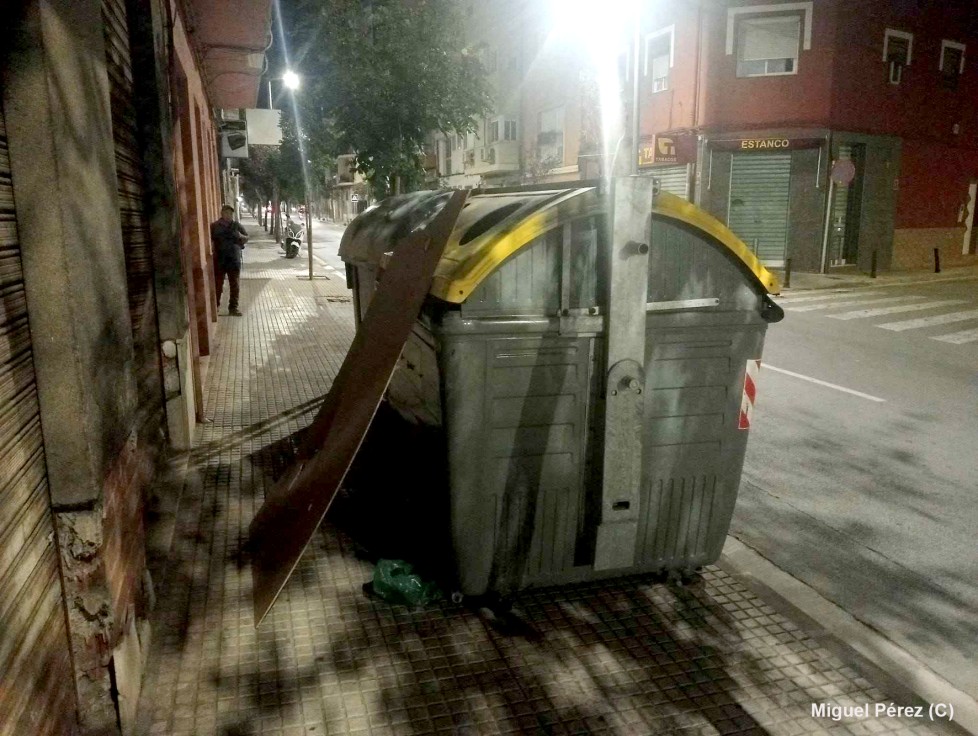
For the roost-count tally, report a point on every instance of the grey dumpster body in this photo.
(591, 410)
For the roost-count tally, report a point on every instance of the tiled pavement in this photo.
(630, 656)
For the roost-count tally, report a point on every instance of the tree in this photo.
(257, 173)
(378, 77)
(275, 173)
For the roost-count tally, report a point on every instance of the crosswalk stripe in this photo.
(958, 338)
(940, 319)
(862, 313)
(851, 303)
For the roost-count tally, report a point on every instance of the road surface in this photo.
(861, 476)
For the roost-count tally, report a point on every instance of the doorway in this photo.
(846, 209)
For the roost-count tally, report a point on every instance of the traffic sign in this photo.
(843, 171)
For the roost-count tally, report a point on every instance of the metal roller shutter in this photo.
(673, 179)
(135, 227)
(758, 207)
(37, 695)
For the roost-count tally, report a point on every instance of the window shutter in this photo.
(770, 39)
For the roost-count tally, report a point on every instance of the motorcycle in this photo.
(294, 233)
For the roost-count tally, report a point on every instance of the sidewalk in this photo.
(628, 656)
(848, 279)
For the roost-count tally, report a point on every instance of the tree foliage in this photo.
(378, 76)
(275, 170)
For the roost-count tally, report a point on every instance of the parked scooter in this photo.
(294, 233)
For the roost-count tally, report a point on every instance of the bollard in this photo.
(872, 265)
(309, 236)
(787, 273)
(937, 260)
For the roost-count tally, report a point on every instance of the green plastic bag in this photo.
(395, 582)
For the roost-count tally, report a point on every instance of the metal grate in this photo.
(758, 206)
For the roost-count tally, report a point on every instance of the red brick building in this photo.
(109, 177)
(755, 104)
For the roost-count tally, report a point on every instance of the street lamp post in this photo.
(291, 81)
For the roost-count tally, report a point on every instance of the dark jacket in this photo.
(228, 238)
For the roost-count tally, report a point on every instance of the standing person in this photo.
(228, 238)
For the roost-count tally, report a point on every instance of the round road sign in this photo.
(843, 171)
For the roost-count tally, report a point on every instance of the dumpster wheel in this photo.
(687, 577)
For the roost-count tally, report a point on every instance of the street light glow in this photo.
(609, 32)
(601, 26)
(291, 79)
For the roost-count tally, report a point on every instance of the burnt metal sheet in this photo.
(297, 504)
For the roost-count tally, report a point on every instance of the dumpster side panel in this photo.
(695, 364)
(473, 506)
(693, 450)
(415, 387)
(366, 286)
(517, 459)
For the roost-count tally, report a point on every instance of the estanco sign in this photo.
(667, 148)
(768, 143)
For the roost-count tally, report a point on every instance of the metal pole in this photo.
(636, 57)
(787, 273)
(309, 237)
(828, 226)
(270, 95)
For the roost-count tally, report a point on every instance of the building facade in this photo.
(834, 134)
(108, 179)
(542, 117)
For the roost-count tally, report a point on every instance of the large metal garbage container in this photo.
(584, 354)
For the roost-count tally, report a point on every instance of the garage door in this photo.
(37, 682)
(673, 179)
(758, 206)
(135, 225)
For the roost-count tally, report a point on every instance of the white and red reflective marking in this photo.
(750, 393)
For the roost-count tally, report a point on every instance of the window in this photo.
(509, 130)
(550, 140)
(493, 131)
(768, 46)
(659, 58)
(471, 139)
(952, 62)
(897, 49)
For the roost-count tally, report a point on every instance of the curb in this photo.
(966, 274)
(900, 670)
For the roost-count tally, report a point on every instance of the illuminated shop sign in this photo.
(769, 143)
(667, 148)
